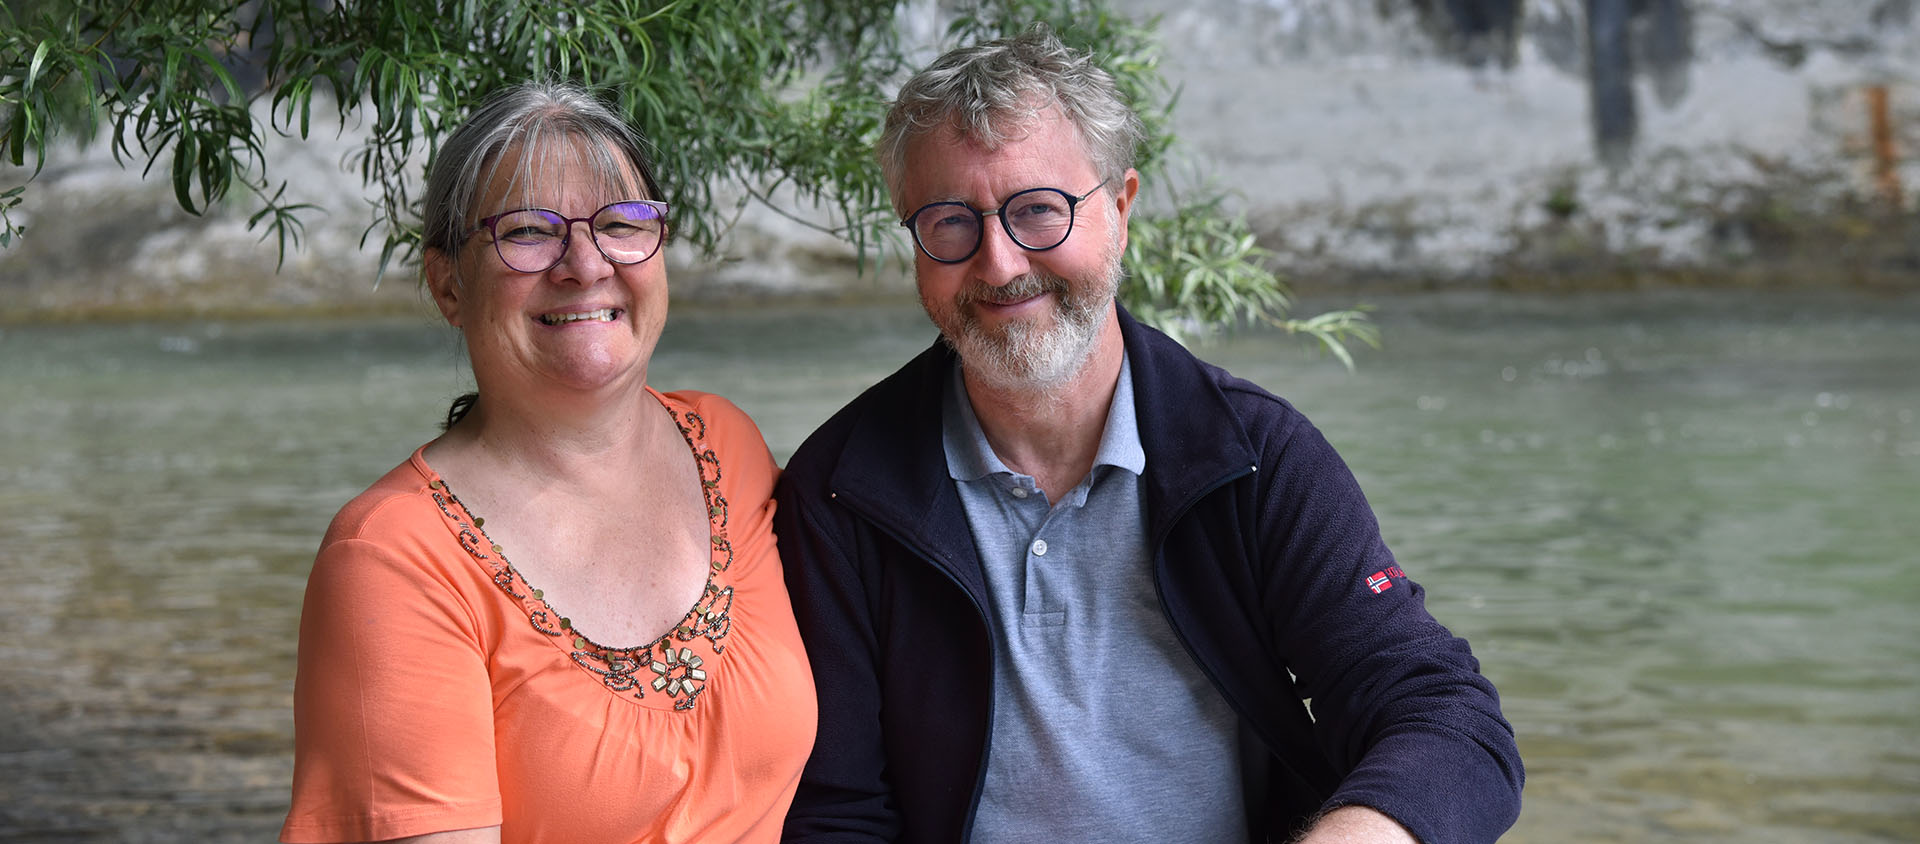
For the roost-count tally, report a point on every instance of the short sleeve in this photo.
(393, 725)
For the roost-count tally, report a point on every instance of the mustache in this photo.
(1024, 287)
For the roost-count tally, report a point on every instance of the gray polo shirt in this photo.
(1104, 728)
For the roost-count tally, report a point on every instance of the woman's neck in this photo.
(577, 441)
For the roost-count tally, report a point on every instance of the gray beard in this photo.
(1021, 356)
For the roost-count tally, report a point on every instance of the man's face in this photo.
(1021, 318)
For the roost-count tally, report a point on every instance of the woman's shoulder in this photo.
(712, 422)
(400, 502)
(717, 421)
(406, 531)
(716, 410)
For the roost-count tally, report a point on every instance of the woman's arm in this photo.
(393, 710)
(483, 835)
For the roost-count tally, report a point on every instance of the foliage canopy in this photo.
(756, 95)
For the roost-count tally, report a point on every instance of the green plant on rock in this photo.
(1196, 270)
(1563, 201)
(743, 98)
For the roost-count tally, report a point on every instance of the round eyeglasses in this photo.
(1037, 219)
(532, 240)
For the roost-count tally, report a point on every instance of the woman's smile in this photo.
(557, 318)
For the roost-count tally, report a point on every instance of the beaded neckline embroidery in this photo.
(664, 665)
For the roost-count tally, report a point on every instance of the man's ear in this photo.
(443, 284)
(1123, 196)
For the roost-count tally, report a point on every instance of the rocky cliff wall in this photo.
(1395, 142)
(1365, 146)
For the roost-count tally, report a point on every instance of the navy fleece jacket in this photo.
(1269, 566)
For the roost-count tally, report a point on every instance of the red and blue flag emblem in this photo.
(1381, 581)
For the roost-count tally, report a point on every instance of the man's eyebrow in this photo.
(996, 204)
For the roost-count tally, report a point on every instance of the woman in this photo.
(562, 620)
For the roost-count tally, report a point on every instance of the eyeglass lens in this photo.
(1037, 219)
(532, 240)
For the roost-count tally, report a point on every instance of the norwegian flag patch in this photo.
(1381, 581)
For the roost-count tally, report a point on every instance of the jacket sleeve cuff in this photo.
(1444, 789)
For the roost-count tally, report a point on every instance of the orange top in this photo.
(437, 690)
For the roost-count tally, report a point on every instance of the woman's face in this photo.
(585, 325)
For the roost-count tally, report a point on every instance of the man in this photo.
(1062, 581)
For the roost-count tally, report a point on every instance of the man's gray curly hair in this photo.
(988, 92)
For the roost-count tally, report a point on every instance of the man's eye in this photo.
(1039, 210)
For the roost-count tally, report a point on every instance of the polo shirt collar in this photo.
(970, 457)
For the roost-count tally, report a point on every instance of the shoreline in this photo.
(1767, 283)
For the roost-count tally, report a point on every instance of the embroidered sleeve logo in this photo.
(1381, 581)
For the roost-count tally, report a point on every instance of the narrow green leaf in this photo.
(183, 160)
(227, 81)
(1339, 349)
(17, 139)
(217, 167)
(167, 76)
(33, 68)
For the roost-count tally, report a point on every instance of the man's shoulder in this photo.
(1178, 369)
(888, 408)
(1252, 399)
(813, 461)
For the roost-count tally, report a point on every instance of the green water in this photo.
(1680, 530)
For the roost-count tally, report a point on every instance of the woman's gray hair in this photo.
(532, 116)
(989, 92)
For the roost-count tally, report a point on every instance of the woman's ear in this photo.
(443, 283)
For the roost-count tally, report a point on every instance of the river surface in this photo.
(1680, 530)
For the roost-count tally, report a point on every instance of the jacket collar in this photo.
(1194, 439)
(894, 470)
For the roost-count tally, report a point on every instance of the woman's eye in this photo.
(527, 234)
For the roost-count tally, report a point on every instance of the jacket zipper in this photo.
(1160, 592)
(980, 771)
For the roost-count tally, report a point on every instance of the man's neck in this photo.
(1052, 434)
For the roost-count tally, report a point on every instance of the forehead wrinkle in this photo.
(956, 133)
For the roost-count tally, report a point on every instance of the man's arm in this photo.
(843, 794)
(1398, 701)
(1356, 825)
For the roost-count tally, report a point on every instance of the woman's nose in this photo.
(582, 261)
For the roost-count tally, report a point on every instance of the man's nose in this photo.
(999, 259)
